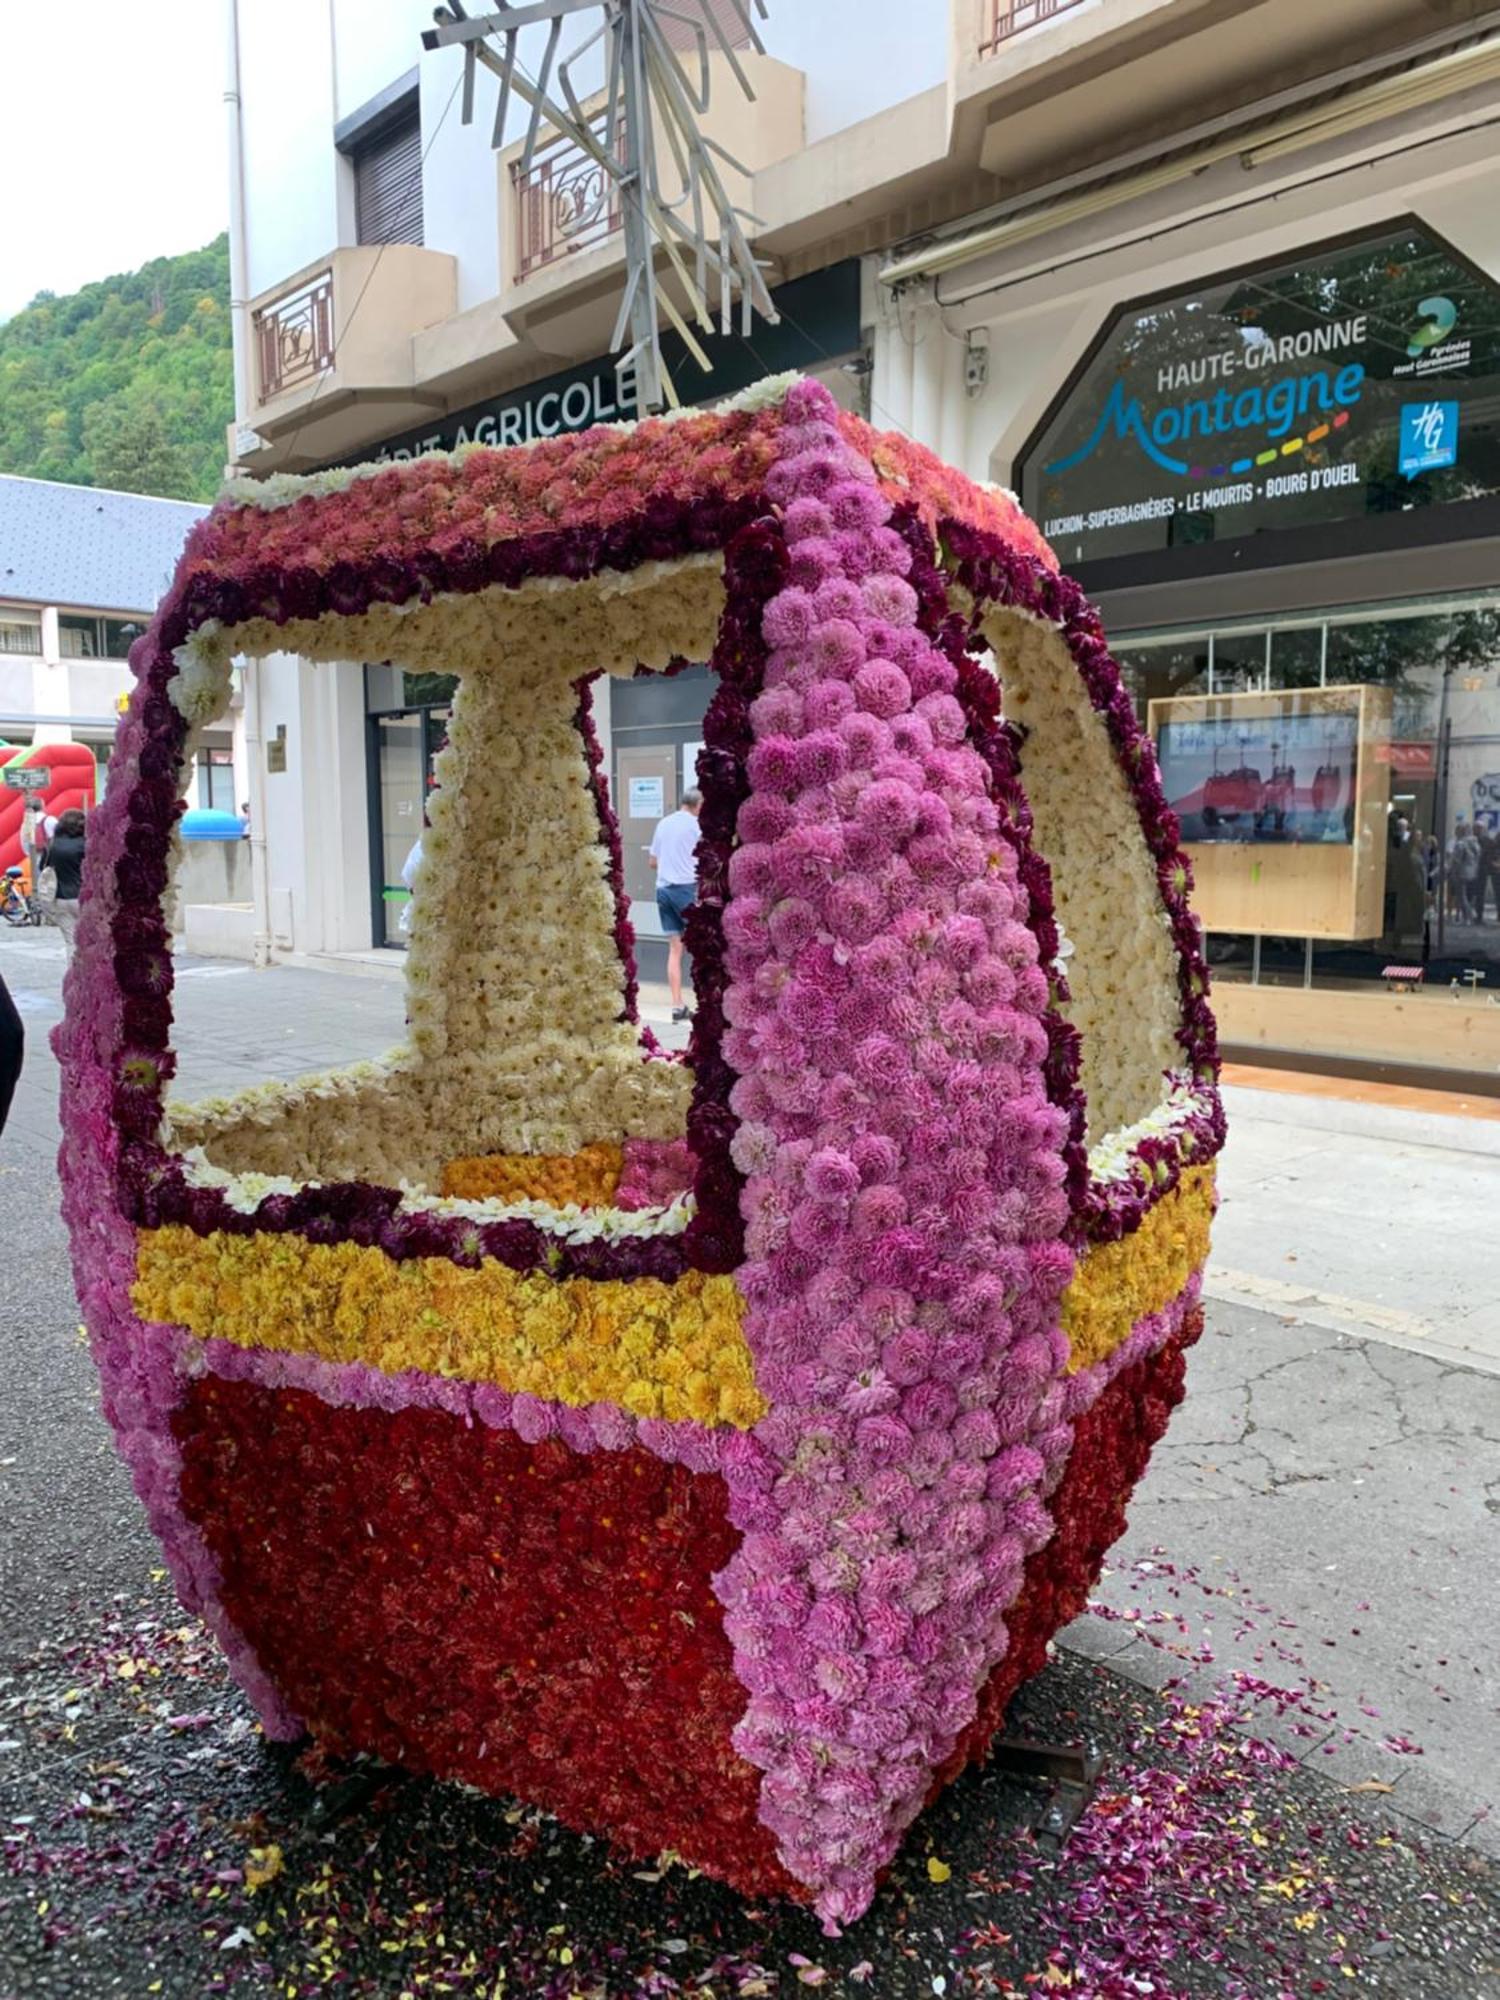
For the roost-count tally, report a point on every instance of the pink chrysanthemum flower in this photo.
(836, 646)
(890, 599)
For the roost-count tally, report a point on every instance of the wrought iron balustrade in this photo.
(1006, 19)
(294, 337)
(566, 203)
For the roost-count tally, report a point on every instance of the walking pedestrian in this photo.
(12, 1048)
(64, 865)
(674, 850)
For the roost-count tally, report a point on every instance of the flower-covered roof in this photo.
(613, 496)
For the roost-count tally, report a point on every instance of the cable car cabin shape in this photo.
(704, 1448)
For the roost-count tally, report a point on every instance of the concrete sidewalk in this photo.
(1359, 1218)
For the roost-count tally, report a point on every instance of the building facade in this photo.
(1247, 379)
(80, 571)
(1116, 253)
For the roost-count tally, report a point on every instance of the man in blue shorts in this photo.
(674, 848)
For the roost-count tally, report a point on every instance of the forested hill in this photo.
(127, 383)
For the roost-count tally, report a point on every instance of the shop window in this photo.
(1156, 672)
(1434, 776)
(428, 690)
(216, 781)
(1297, 657)
(86, 637)
(1239, 662)
(20, 635)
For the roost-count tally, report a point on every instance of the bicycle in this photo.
(17, 906)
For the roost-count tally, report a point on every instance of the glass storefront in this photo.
(1311, 431)
(1437, 781)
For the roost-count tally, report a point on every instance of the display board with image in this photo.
(1264, 778)
(1283, 797)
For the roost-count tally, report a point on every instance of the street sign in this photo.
(29, 778)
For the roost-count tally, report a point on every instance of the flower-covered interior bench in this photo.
(702, 1448)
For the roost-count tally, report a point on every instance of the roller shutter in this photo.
(388, 185)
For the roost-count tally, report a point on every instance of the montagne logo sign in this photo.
(1318, 399)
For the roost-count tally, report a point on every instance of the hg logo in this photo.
(1429, 437)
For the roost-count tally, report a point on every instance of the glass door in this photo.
(401, 788)
(405, 751)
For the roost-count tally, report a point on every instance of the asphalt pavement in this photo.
(1291, 1664)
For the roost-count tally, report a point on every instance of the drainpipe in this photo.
(255, 753)
(239, 277)
(239, 311)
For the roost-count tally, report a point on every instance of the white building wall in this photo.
(50, 697)
(461, 177)
(307, 64)
(373, 46)
(291, 166)
(859, 56)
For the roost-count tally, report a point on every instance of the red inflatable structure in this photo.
(71, 777)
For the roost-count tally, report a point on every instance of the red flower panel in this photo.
(530, 1620)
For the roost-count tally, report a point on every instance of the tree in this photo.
(128, 447)
(125, 383)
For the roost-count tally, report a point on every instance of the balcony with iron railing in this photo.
(1045, 87)
(562, 219)
(336, 335)
(1003, 20)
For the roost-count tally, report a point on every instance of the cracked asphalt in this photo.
(1291, 1664)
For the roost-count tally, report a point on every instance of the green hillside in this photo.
(127, 383)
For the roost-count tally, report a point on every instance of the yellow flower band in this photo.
(658, 1350)
(1117, 1284)
(588, 1179)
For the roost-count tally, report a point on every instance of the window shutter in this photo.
(388, 186)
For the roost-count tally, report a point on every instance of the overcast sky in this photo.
(112, 146)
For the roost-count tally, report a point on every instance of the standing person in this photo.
(1434, 863)
(1489, 870)
(36, 831)
(12, 1046)
(1466, 868)
(409, 869)
(65, 863)
(1455, 898)
(674, 850)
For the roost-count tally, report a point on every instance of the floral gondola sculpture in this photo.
(704, 1449)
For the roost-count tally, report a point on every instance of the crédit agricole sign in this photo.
(1346, 383)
